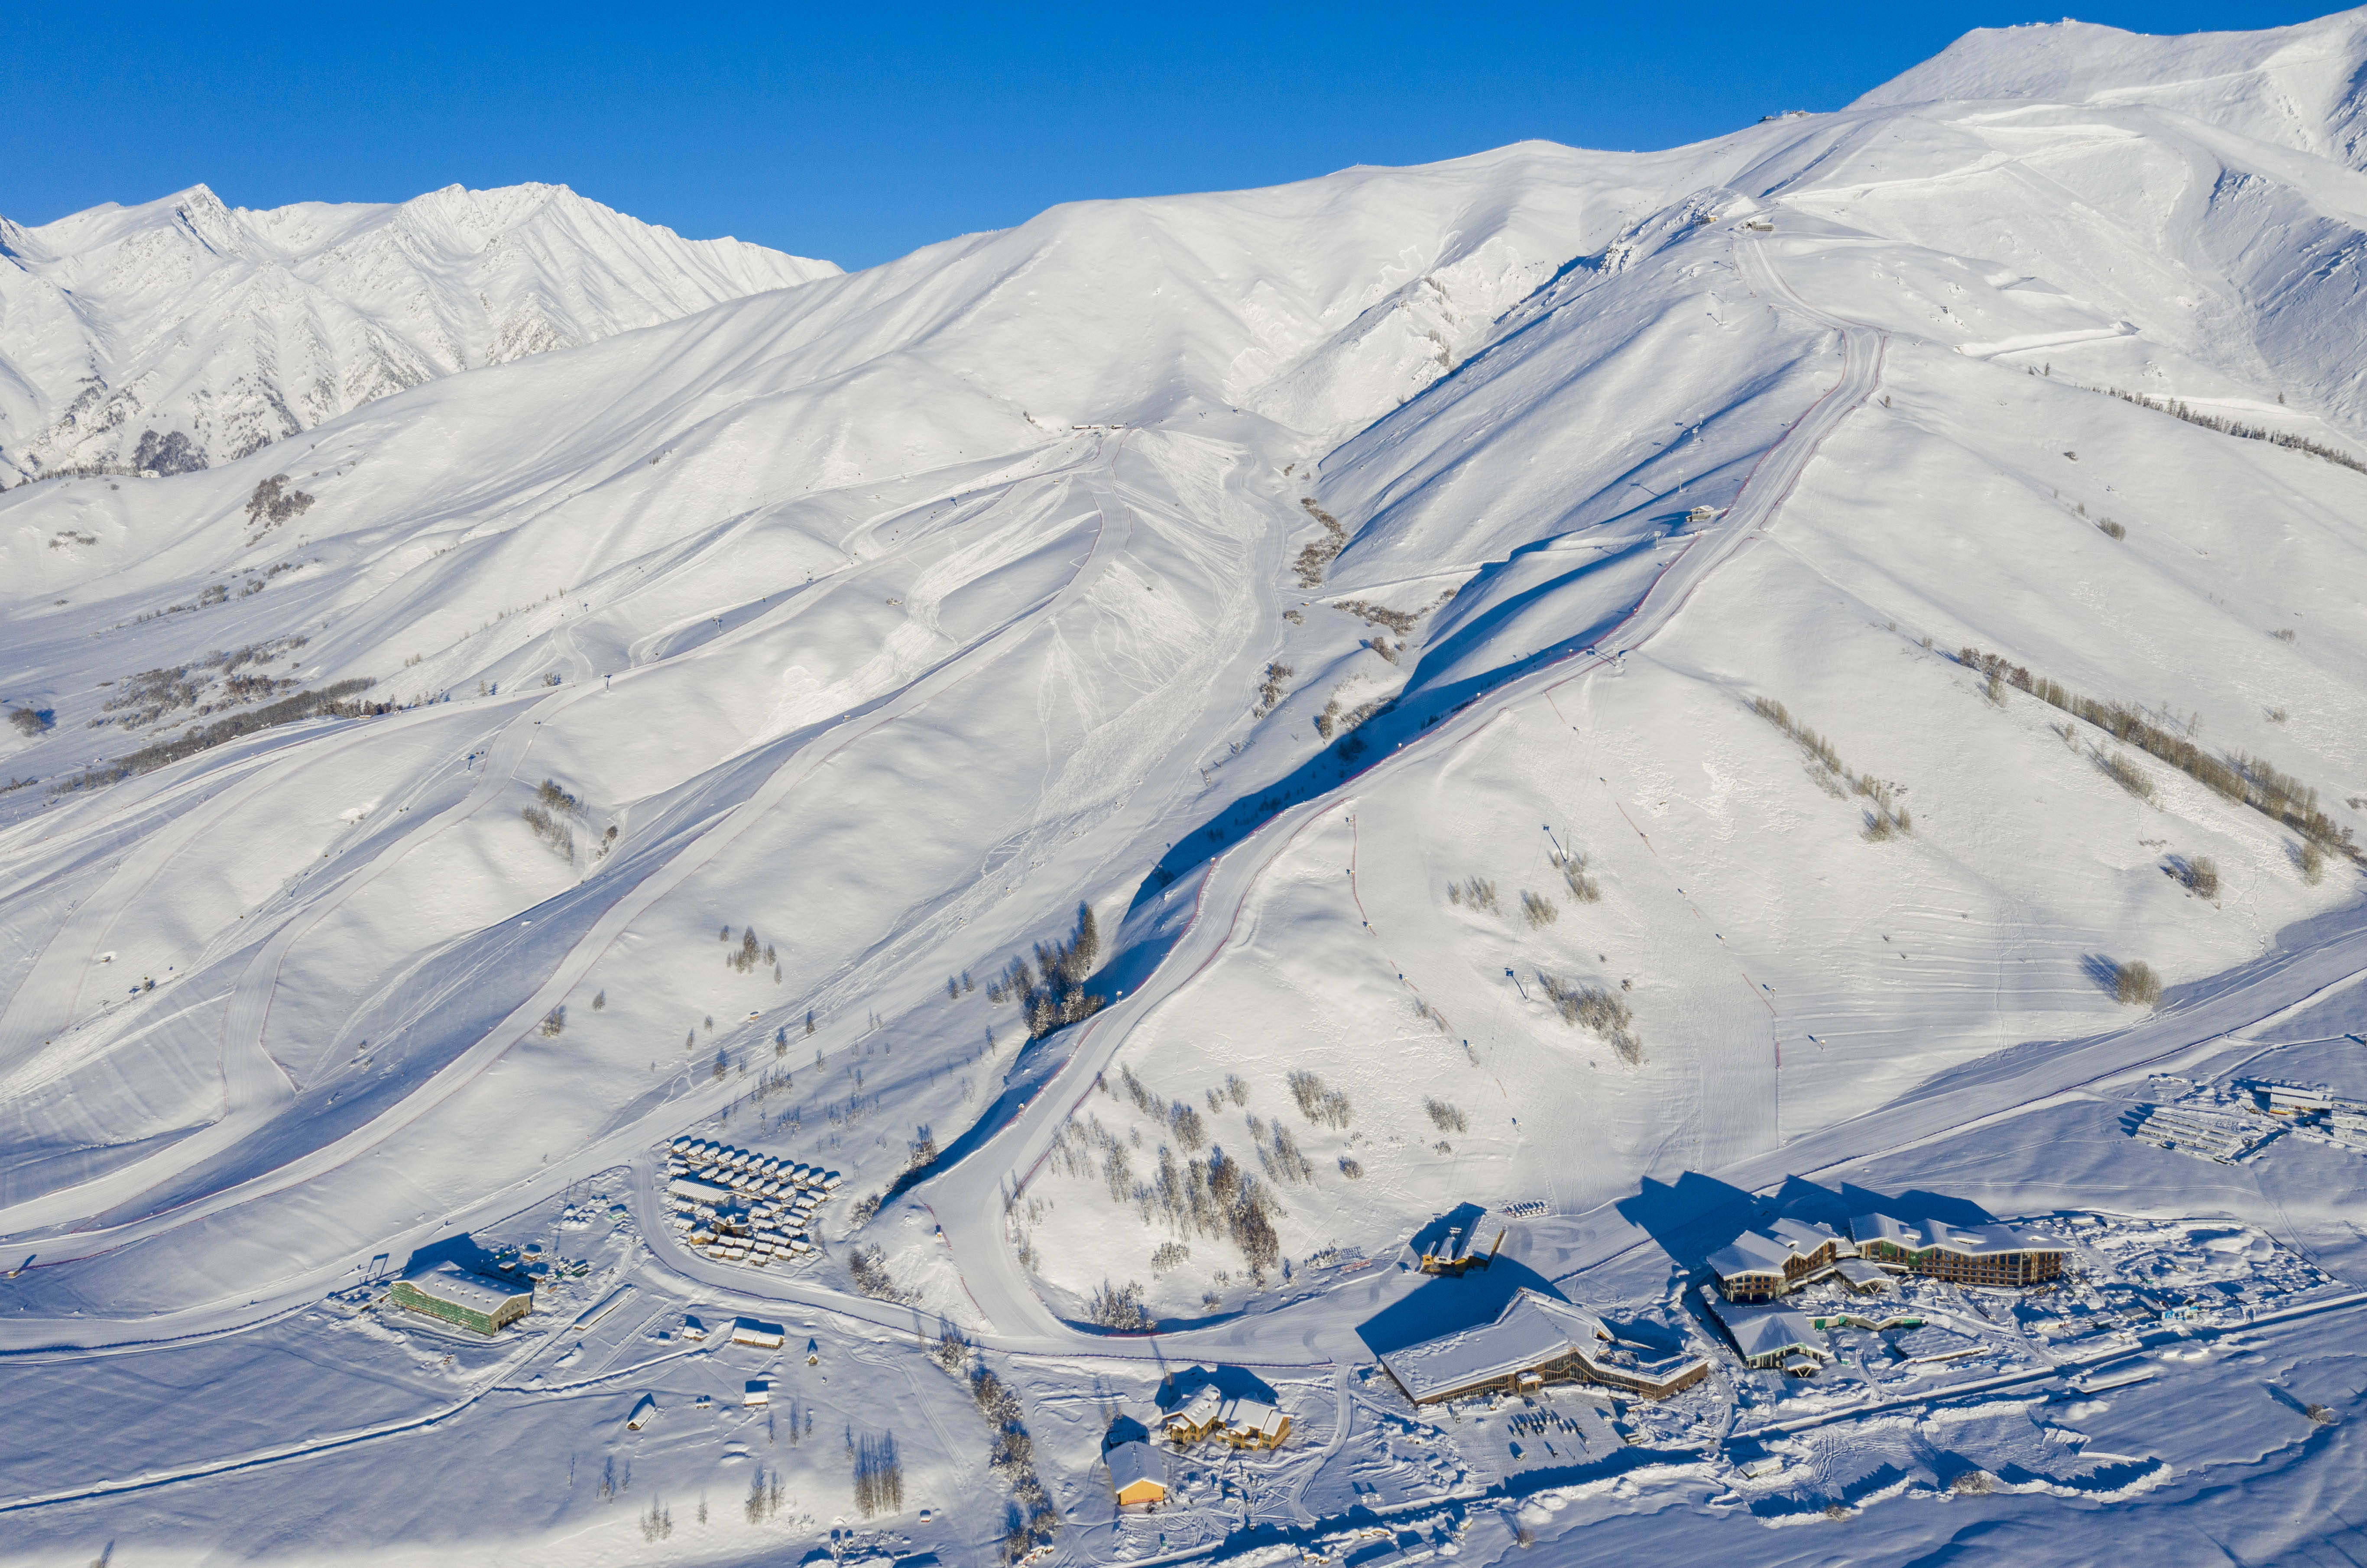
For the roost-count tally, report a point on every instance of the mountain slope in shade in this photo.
(182, 332)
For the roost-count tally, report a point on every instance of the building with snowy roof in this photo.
(1759, 1266)
(1137, 1473)
(462, 1297)
(755, 1331)
(1536, 1340)
(1196, 1417)
(1253, 1424)
(1866, 1279)
(1990, 1254)
(1771, 1337)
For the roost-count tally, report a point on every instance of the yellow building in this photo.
(1137, 1474)
(1253, 1424)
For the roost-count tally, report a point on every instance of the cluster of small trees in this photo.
(868, 1265)
(1337, 720)
(750, 952)
(2126, 775)
(2235, 776)
(1184, 1122)
(550, 816)
(1316, 558)
(766, 1493)
(1031, 1520)
(2201, 877)
(1477, 892)
(1595, 1008)
(273, 502)
(1284, 1161)
(1318, 1103)
(2178, 410)
(879, 1476)
(330, 699)
(1582, 886)
(1398, 621)
(1214, 1197)
(1051, 994)
(1270, 690)
(1119, 1307)
(1884, 817)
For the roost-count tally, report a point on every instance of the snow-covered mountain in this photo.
(2300, 86)
(181, 331)
(1645, 691)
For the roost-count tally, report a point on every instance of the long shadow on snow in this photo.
(1418, 707)
(1446, 1303)
(1153, 922)
(1692, 1219)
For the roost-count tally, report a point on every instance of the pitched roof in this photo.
(1761, 1331)
(1253, 1415)
(1749, 1253)
(1800, 1235)
(1921, 1235)
(1200, 1409)
(1131, 1463)
(1532, 1330)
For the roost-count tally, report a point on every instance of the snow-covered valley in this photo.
(1165, 750)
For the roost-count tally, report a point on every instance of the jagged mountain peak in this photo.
(233, 327)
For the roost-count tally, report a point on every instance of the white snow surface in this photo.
(1303, 580)
(234, 327)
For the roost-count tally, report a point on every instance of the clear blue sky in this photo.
(857, 132)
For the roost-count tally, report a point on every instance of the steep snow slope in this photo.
(1360, 594)
(180, 331)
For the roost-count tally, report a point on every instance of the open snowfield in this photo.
(1640, 691)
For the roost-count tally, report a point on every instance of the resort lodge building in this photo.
(1760, 1266)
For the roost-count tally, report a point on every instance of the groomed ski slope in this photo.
(885, 618)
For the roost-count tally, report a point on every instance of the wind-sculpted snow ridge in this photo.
(1635, 692)
(163, 337)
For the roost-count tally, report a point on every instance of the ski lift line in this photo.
(1353, 841)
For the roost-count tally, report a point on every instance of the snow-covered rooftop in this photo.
(1531, 1331)
(463, 1287)
(1921, 1235)
(1762, 1331)
(1133, 1463)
